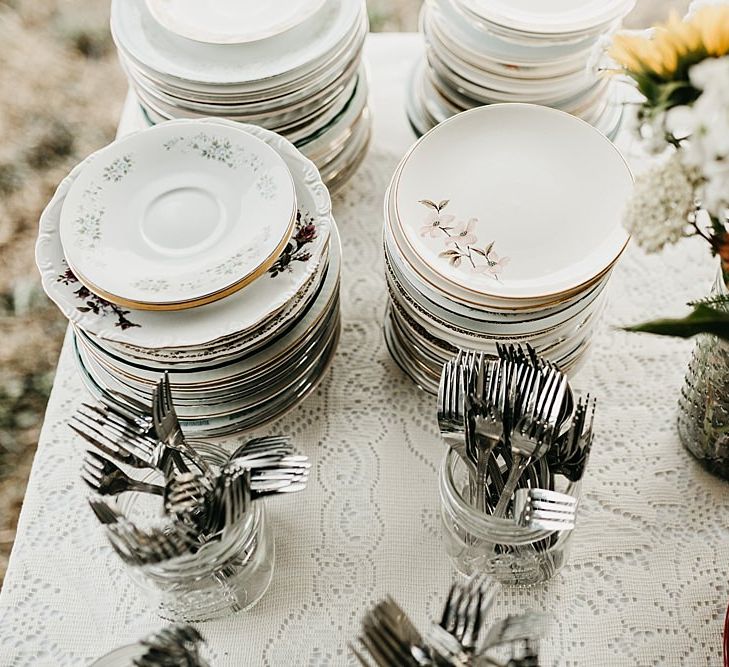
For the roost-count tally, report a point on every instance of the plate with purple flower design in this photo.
(267, 299)
(511, 202)
(177, 215)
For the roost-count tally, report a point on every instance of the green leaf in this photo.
(717, 301)
(489, 248)
(428, 203)
(478, 251)
(442, 204)
(703, 319)
(449, 253)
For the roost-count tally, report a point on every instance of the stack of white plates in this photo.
(293, 67)
(502, 225)
(488, 51)
(204, 248)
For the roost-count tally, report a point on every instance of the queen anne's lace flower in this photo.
(662, 201)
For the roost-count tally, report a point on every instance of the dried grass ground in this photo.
(61, 91)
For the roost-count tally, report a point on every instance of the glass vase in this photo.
(703, 410)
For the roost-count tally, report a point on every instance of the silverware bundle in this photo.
(514, 423)
(460, 639)
(200, 504)
(176, 646)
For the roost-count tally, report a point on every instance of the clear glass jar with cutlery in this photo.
(518, 443)
(477, 542)
(222, 577)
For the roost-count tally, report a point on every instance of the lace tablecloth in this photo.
(646, 583)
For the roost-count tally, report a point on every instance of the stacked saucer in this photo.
(497, 230)
(295, 70)
(483, 52)
(204, 248)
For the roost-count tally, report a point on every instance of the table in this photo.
(646, 583)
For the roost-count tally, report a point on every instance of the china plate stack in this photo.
(502, 225)
(218, 262)
(294, 68)
(489, 51)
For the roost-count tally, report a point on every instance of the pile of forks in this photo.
(514, 422)
(201, 505)
(460, 639)
(176, 646)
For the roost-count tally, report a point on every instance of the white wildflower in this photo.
(706, 123)
(715, 192)
(663, 199)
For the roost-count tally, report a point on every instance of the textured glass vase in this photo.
(703, 409)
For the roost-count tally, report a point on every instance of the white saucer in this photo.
(231, 21)
(177, 215)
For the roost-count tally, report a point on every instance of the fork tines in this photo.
(545, 509)
(465, 609)
(390, 638)
(176, 645)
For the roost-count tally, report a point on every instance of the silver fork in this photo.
(127, 448)
(139, 547)
(570, 456)
(390, 638)
(512, 629)
(167, 425)
(491, 395)
(265, 443)
(465, 610)
(544, 509)
(107, 479)
(450, 406)
(176, 645)
(535, 431)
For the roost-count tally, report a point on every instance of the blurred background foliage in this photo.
(61, 92)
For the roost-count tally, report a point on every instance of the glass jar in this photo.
(703, 406)
(222, 577)
(477, 542)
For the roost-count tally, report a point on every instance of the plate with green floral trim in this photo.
(177, 215)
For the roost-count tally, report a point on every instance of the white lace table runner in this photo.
(646, 583)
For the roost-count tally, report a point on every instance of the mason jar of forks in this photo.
(221, 577)
(477, 542)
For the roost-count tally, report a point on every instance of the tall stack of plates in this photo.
(204, 248)
(488, 51)
(294, 68)
(502, 225)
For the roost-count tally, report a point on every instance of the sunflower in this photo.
(659, 63)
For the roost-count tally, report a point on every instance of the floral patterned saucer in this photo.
(266, 300)
(177, 215)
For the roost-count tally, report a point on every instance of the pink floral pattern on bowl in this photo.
(461, 241)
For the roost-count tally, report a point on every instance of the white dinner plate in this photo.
(177, 215)
(231, 21)
(512, 201)
(239, 312)
(460, 30)
(139, 35)
(553, 17)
